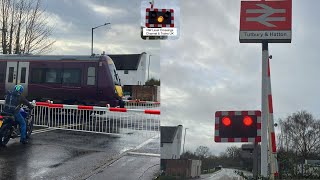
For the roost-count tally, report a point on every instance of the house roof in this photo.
(126, 61)
(167, 133)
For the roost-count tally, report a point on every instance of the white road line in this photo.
(52, 129)
(146, 142)
(144, 154)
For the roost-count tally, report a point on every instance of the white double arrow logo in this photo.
(264, 18)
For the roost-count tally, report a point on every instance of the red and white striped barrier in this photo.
(96, 119)
(219, 115)
(97, 108)
(272, 137)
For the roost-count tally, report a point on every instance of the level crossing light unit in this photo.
(92, 35)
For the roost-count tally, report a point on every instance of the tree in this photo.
(153, 82)
(202, 152)
(299, 140)
(24, 27)
(233, 152)
(301, 133)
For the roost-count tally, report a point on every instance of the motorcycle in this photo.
(10, 128)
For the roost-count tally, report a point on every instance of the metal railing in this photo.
(137, 104)
(96, 119)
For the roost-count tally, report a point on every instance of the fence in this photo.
(136, 104)
(96, 119)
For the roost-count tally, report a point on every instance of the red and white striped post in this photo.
(272, 137)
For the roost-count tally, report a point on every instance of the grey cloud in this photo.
(207, 69)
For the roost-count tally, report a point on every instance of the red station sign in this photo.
(266, 21)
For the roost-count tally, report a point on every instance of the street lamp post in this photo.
(92, 35)
(149, 66)
(184, 141)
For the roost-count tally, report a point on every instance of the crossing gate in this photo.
(96, 119)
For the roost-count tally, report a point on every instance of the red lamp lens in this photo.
(226, 121)
(247, 120)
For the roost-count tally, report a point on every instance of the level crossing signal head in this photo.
(238, 126)
(159, 18)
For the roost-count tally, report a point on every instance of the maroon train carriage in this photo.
(84, 80)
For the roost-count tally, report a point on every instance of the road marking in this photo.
(144, 154)
(146, 142)
(52, 129)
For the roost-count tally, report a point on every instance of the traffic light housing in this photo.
(238, 126)
(156, 18)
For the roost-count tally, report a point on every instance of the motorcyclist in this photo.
(13, 100)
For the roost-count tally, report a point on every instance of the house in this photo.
(132, 68)
(171, 164)
(170, 141)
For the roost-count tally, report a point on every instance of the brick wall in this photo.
(145, 93)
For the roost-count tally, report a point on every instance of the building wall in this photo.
(195, 168)
(146, 93)
(143, 69)
(166, 151)
(135, 77)
(129, 79)
(172, 151)
(178, 140)
(182, 167)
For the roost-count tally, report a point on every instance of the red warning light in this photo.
(247, 120)
(226, 121)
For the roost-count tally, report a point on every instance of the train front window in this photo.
(114, 74)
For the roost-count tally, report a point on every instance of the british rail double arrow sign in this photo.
(266, 20)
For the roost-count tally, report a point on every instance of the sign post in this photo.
(264, 109)
(266, 22)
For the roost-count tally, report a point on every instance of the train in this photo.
(79, 80)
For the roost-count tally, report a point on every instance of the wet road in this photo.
(224, 174)
(63, 154)
(140, 164)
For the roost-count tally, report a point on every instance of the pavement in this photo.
(61, 154)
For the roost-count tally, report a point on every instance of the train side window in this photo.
(52, 76)
(36, 75)
(126, 72)
(10, 78)
(91, 80)
(23, 75)
(71, 76)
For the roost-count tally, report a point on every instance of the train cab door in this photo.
(17, 73)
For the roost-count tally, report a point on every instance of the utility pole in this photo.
(92, 35)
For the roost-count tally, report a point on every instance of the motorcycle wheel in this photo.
(6, 132)
(29, 128)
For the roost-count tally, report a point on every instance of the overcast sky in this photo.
(73, 20)
(207, 69)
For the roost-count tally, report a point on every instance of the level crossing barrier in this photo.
(96, 119)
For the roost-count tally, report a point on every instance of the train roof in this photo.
(51, 57)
